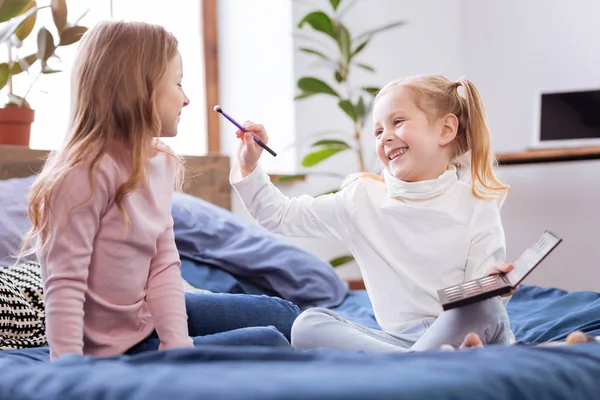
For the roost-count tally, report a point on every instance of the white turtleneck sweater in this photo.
(409, 239)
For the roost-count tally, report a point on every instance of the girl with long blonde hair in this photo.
(414, 230)
(101, 212)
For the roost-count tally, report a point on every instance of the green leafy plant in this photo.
(17, 21)
(353, 101)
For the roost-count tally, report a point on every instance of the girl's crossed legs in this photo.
(319, 327)
(233, 320)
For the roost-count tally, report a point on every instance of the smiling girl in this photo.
(415, 229)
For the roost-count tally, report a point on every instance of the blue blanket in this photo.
(537, 315)
(495, 372)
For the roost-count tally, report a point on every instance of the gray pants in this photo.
(320, 327)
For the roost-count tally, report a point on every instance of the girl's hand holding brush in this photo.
(249, 151)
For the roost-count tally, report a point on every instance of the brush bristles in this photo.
(217, 109)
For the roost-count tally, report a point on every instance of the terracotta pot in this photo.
(15, 125)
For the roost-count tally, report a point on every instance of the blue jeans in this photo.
(233, 320)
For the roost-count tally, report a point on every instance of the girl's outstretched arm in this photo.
(323, 217)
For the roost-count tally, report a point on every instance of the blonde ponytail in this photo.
(478, 143)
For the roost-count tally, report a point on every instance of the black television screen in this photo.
(570, 116)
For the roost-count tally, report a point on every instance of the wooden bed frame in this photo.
(207, 177)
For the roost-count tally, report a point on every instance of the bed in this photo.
(211, 250)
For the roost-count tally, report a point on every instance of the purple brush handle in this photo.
(257, 140)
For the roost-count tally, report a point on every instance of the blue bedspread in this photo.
(495, 372)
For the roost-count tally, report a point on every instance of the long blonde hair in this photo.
(438, 96)
(115, 74)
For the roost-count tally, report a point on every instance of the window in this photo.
(49, 95)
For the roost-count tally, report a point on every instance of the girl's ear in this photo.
(449, 129)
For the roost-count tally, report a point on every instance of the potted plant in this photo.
(17, 21)
(355, 102)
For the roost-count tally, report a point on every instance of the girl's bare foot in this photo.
(578, 337)
(471, 340)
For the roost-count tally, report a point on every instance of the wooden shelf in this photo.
(549, 155)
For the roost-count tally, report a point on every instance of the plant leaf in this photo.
(333, 191)
(290, 178)
(336, 262)
(315, 86)
(365, 66)
(315, 52)
(23, 64)
(320, 22)
(331, 143)
(303, 96)
(9, 27)
(372, 90)
(361, 109)
(335, 4)
(316, 157)
(3, 74)
(348, 108)
(359, 48)
(45, 43)
(369, 34)
(338, 77)
(11, 9)
(71, 35)
(27, 25)
(59, 14)
(345, 43)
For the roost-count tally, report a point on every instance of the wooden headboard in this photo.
(207, 177)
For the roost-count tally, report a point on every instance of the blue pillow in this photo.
(207, 233)
(14, 222)
(216, 280)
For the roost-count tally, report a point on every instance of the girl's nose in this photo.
(387, 136)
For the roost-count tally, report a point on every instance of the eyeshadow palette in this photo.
(496, 285)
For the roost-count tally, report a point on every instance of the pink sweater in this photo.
(108, 286)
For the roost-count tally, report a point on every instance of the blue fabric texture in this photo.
(13, 218)
(233, 320)
(209, 234)
(495, 372)
(209, 277)
(540, 315)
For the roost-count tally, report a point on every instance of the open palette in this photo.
(496, 285)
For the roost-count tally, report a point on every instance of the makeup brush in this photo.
(233, 121)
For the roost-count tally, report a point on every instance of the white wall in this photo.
(511, 50)
(256, 74)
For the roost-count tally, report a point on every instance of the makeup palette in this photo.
(500, 284)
